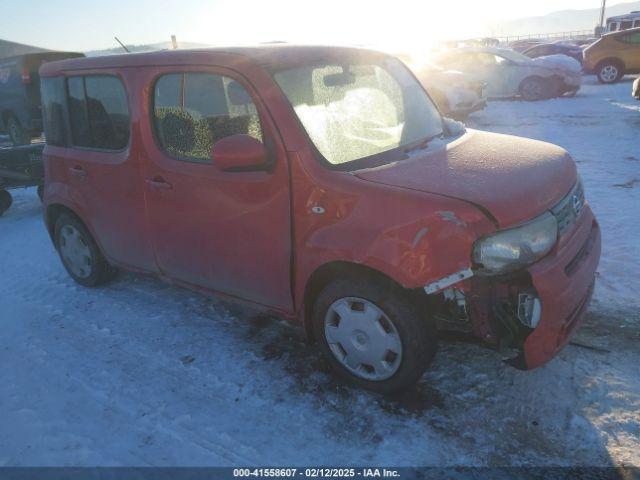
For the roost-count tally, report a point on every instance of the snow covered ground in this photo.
(142, 373)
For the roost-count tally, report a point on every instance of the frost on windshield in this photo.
(355, 111)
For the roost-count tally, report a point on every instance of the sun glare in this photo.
(401, 26)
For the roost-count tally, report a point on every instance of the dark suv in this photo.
(20, 109)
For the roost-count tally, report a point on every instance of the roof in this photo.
(625, 16)
(494, 50)
(622, 32)
(12, 49)
(274, 55)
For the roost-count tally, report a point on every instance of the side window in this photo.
(98, 112)
(52, 91)
(192, 111)
(488, 59)
(460, 61)
(498, 60)
(80, 133)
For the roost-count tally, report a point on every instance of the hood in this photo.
(515, 179)
(559, 62)
(429, 76)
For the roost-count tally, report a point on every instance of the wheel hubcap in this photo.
(609, 73)
(363, 338)
(75, 252)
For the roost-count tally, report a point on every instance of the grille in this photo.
(568, 209)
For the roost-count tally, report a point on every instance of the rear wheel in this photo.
(17, 134)
(534, 88)
(80, 254)
(373, 335)
(5, 201)
(609, 71)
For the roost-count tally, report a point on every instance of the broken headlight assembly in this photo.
(515, 248)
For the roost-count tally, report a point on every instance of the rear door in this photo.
(102, 167)
(224, 231)
(630, 53)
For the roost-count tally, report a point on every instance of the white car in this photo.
(510, 74)
(456, 94)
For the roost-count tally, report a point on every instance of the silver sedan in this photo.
(509, 74)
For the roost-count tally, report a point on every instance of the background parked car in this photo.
(614, 55)
(456, 94)
(509, 73)
(635, 91)
(546, 49)
(525, 44)
(20, 108)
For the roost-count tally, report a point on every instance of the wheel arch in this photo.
(324, 274)
(533, 76)
(615, 60)
(52, 214)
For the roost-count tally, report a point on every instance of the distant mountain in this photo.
(143, 48)
(561, 21)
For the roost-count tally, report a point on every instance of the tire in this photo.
(534, 88)
(80, 254)
(406, 337)
(5, 201)
(17, 134)
(609, 71)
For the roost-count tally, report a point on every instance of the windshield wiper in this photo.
(422, 144)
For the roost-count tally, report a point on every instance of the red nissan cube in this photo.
(321, 184)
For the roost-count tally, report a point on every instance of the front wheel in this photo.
(609, 72)
(80, 254)
(373, 334)
(534, 88)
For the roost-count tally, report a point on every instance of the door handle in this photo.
(78, 171)
(159, 183)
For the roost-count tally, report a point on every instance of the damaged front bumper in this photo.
(537, 309)
(564, 282)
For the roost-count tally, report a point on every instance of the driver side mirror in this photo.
(238, 153)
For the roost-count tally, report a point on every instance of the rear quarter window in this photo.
(98, 112)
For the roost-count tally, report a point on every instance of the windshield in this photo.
(353, 111)
(516, 56)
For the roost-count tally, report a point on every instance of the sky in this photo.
(87, 25)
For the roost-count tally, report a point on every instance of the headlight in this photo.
(518, 247)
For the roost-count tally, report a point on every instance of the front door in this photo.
(496, 71)
(224, 231)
